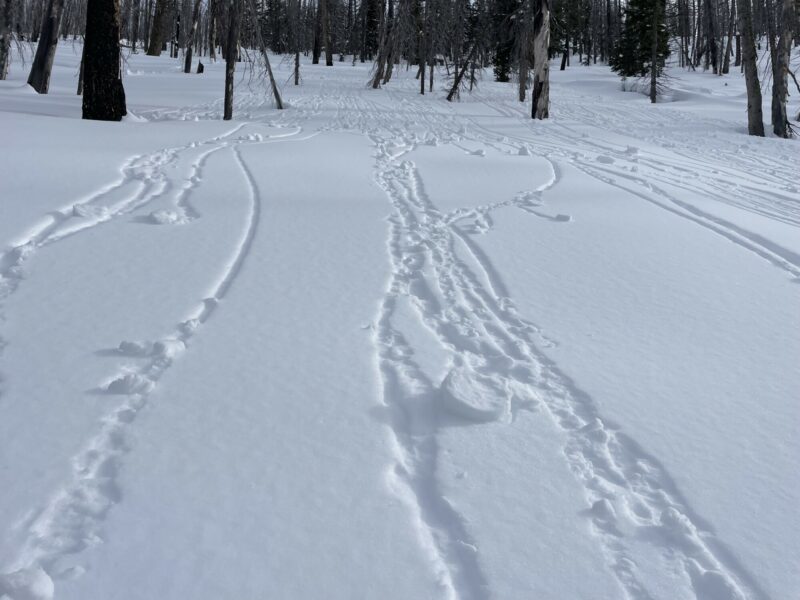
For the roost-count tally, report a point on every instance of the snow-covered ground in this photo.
(378, 345)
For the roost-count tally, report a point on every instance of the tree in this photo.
(504, 35)
(187, 63)
(39, 78)
(755, 119)
(780, 71)
(643, 46)
(231, 53)
(540, 108)
(5, 37)
(158, 33)
(103, 93)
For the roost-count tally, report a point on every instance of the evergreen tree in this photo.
(645, 24)
(504, 15)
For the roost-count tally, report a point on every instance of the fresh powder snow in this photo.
(379, 345)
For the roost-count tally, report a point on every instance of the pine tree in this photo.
(505, 13)
(644, 24)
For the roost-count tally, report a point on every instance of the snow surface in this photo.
(378, 345)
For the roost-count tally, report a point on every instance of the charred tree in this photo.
(231, 52)
(103, 94)
(39, 78)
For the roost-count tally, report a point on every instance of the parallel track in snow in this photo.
(458, 294)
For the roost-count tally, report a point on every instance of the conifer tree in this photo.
(643, 46)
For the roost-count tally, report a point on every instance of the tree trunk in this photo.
(187, 63)
(726, 63)
(265, 55)
(5, 37)
(80, 71)
(39, 78)
(524, 48)
(326, 32)
(383, 54)
(316, 49)
(137, 8)
(103, 94)
(234, 20)
(755, 121)
(158, 31)
(654, 52)
(780, 71)
(540, 108)
(460, 74)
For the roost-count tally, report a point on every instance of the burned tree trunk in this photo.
(231, 52)
(103, 94)
(187, 63)
(540, 108)
(654, 53)
(39, 78)
(326, 32)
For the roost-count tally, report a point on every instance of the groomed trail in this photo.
(378, 345)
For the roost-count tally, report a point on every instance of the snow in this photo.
(380, 345)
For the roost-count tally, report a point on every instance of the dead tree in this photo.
(158, 33)
(265, 55)
(5, 37)
(187, 63)
(231, 52)
(103, 94)
(755, 119)
(780, 71)
(39, 78)
(540, 108)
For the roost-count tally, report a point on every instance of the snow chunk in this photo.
(473, 396)
(130, 383)
(27, 584)
(165, 217)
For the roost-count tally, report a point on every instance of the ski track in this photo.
(458, 294)
(71, 519)
(459, 297)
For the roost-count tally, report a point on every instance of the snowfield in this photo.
(378, 345)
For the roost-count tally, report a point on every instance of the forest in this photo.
(516, 38)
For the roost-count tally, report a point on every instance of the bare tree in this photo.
(187, 63)
(158, 32)
(231, 53)
(540, 108)
(5, 36)
(39, 78)
(780, 70)
(103, 94)
(755, 119)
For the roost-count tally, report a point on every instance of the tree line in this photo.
(518, 39)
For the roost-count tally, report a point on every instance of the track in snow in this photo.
(458, 294)
(71, 519)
